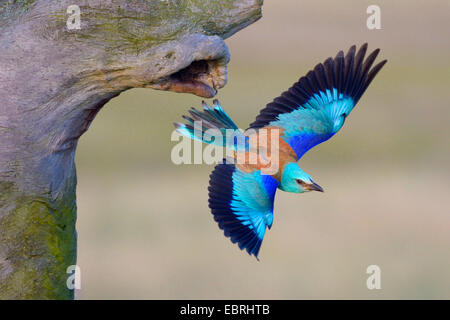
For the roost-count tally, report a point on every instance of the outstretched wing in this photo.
(242, 204)
(315, 107)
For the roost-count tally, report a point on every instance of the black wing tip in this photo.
(378, 66)
(382, 63)
(220, 192)
(357, 70)
(349, 73)
(340, 54)
(351, 51)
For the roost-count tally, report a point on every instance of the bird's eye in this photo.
(302, 183)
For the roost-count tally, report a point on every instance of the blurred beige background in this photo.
(144, 228)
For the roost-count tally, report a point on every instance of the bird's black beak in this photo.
(315, 187)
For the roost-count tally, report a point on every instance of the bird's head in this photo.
(294, 179)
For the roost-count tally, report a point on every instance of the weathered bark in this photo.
(53, 81)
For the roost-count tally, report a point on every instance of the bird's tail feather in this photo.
(212, 126)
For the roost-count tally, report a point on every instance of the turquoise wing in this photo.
(242, 204)
(315, 107)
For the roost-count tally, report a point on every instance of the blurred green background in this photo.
(144, 228)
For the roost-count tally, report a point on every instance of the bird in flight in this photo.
(241, 193)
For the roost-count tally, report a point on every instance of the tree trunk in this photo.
(54, 80)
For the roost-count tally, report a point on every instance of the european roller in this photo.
(241, 193)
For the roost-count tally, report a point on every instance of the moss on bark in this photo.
(37, 232)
